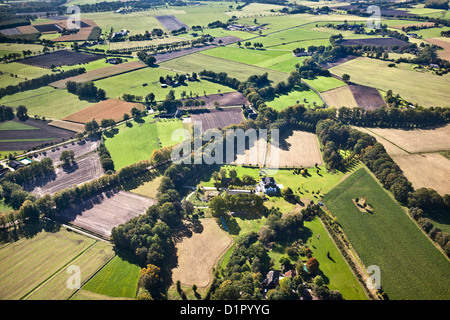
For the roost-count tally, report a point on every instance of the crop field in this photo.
(254, 155)
(46, 101)
(389, 239)
(366, 97)
(18, 136)
(434, 167)
(424, 88)
(415, 140)
(197, 62)
(199, 254)
(83, 169)
(340, 97)
(60, 58)
(214, 119)
(102, 213)
(171, 22)
(100, 73)
(133, 83)
(119, 278)
(30, 261)
(107, 109)
(23, 71)
(89, 263)
(296, 149)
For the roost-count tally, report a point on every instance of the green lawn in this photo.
(119, 278)
(423, 88)
(197, 62)
(46, 101)
(132, 83)
(411, 266)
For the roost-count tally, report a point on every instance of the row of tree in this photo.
(86, 90)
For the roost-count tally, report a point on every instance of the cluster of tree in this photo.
(146, 58)
(445, 33)
(221, 181)
(417, 27)
(248, 204)
(279, 227)
(156, 32)
(437, 4)
(217, 24)
(32, 172)
(67, 157)
(91, 127)
(442, 238)
(86, 90)
(40, 81)
(178, 31)
(248, 44)
(105, 159)
(132, 98)
(6, 113)
(133, 5)
(221, 78)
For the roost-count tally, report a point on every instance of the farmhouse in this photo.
(268, 185)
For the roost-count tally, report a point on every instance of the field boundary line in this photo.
(388, 141)
(58, 271)
(90, 277)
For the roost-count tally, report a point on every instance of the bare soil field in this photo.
(225, 100)
(367, 97)
(340, 97)
(391, 148)
(221, 118)
(171, 22)
(434, 171)
(199, 254)
(83, 170)
(101, 73)
(107, 109)
(383, 42)
(106, 211)
(10, 31)
(27, 29)
(81, 35)
(60, 58)
(331, 64)
(254, 155)
(443, 54)
(416, 140)
(296, 149)
(72, 126)
(24, 139)
(80, 149)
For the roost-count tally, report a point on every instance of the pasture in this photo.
(389, 239)
(133, 83)
(198, 61)
(199, 254)
(322, 84)
(425, 89)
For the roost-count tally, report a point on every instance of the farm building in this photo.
(268, 185)
(271, 280)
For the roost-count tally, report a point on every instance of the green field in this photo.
(132, 83)
(23, 71)
(119, 278)
(425, 89)
(197, 62)
(89, 263)
(305, 97)
(46, 101)
(28, 262)
(411, 266)
(132, 144)
(322, 84)
(13, 125)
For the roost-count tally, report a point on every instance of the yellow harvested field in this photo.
(340, 97)
(255, 155)
(72, 126)
(444, 43)
(429, 170)
(199, 254)
(296, 149)
(415, 140)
